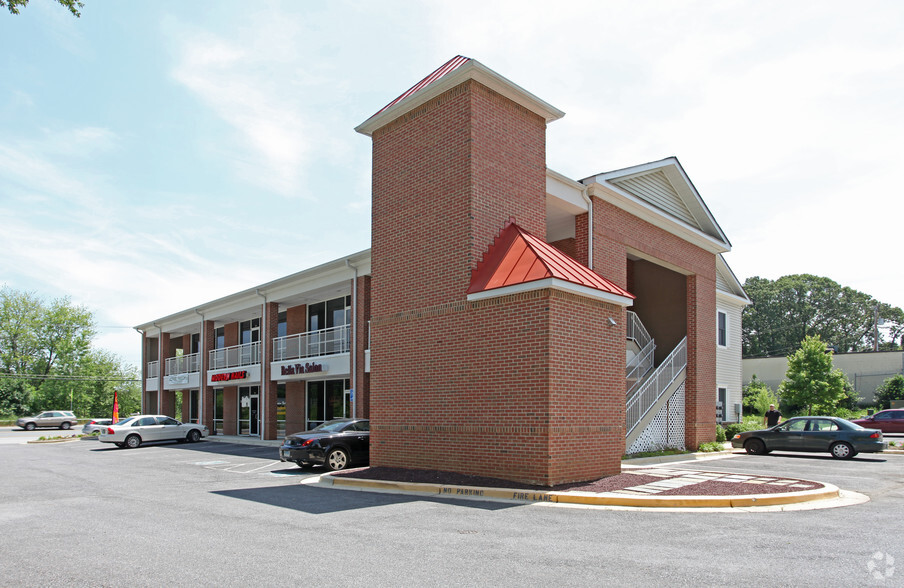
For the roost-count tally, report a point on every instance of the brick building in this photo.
(507, 321)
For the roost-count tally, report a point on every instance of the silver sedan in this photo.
(131, 432)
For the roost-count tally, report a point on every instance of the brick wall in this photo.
(527, 387)
(612, 238)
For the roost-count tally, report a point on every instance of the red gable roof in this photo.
(517, 257)
(444, 69)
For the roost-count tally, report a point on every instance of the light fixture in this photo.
(612, 322)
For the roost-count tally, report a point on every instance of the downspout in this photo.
(354, 354)
(202, 375)
(265, 332)
(585, 194)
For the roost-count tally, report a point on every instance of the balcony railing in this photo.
(183, 364)
(153, 369)
(312, 344)
(235, 356)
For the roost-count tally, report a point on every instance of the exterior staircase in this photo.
(648, 390)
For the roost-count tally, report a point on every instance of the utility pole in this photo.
(876, 329)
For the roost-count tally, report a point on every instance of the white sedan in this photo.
(143, 428)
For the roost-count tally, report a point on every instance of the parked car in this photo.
(57, 419)
(840, 437)
(131, 432)
(887, 421)
(96, 426)
(335, 444)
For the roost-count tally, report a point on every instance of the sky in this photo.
(158, 155)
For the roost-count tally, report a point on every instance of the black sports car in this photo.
(336, 444)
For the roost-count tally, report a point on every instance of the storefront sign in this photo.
(301, 368)
(225, 377)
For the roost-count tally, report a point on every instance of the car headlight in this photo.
(738, 436)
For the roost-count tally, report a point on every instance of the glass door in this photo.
(193, 405)
(249, 411)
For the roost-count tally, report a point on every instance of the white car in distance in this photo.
(131, 432)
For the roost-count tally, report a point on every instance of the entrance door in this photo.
(249, 410)
(193, 405)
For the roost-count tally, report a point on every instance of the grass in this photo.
(659, 453)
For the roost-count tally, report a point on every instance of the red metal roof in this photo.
(444, 69)
(517, 257)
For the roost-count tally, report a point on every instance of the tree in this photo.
(757, 397)
(72, 5)
(47, 362)
(811, 381)
(891, 389)
(786, 311)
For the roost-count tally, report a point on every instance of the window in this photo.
(220, 338)
(722, 328)
(721, 404)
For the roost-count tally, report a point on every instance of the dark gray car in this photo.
(840, 437)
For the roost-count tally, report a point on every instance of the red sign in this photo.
(229, 376)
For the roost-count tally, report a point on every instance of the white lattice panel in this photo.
(666, 429)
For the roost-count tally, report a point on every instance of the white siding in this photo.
(728, 359)
(656, 189)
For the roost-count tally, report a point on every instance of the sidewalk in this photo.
(665, 482)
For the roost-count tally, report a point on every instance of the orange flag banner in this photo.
(115, 406)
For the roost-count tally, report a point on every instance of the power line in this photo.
(65, 378)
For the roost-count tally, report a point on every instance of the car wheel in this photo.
(337, 460)
(29, 427)
(842, 450)
(194, 436)
(133, 441)
(755, 447)
(65, 426)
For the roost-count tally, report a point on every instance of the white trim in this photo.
(733, 298)
(473, 70)
(554, 284)
(646, 211)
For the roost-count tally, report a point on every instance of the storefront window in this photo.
(327, 400)
(280, 410)
(218, 410)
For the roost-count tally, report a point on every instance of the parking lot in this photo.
(225, 514)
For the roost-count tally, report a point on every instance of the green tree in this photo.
(72, 5)
(757, 397)
(811, 381)
(891, 389)
(786, 311)
(47, 362)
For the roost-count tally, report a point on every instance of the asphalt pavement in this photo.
(232, 515)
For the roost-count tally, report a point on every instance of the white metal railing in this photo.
(183, 364)
(312, 344)
(635, 330)
(235, 356)
(153, 369)
(651, 390)
(638, 367)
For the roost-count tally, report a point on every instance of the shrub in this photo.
(750, 423)
(711, 446)
(891, 389)
(720, 434)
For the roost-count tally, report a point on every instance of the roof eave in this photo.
(553, 284)
(473, 70)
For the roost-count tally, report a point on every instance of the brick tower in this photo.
(475, 367)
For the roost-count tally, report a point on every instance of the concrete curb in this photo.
(579, 498)
(62, 440)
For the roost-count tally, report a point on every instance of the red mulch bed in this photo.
(617, 482)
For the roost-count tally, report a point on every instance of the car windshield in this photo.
(124, 421)
(846, 424)
(331, 426)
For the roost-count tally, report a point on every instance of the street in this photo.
(223, 514)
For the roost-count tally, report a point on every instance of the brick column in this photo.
(208, 332)
(269, 330)
(700, 390)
